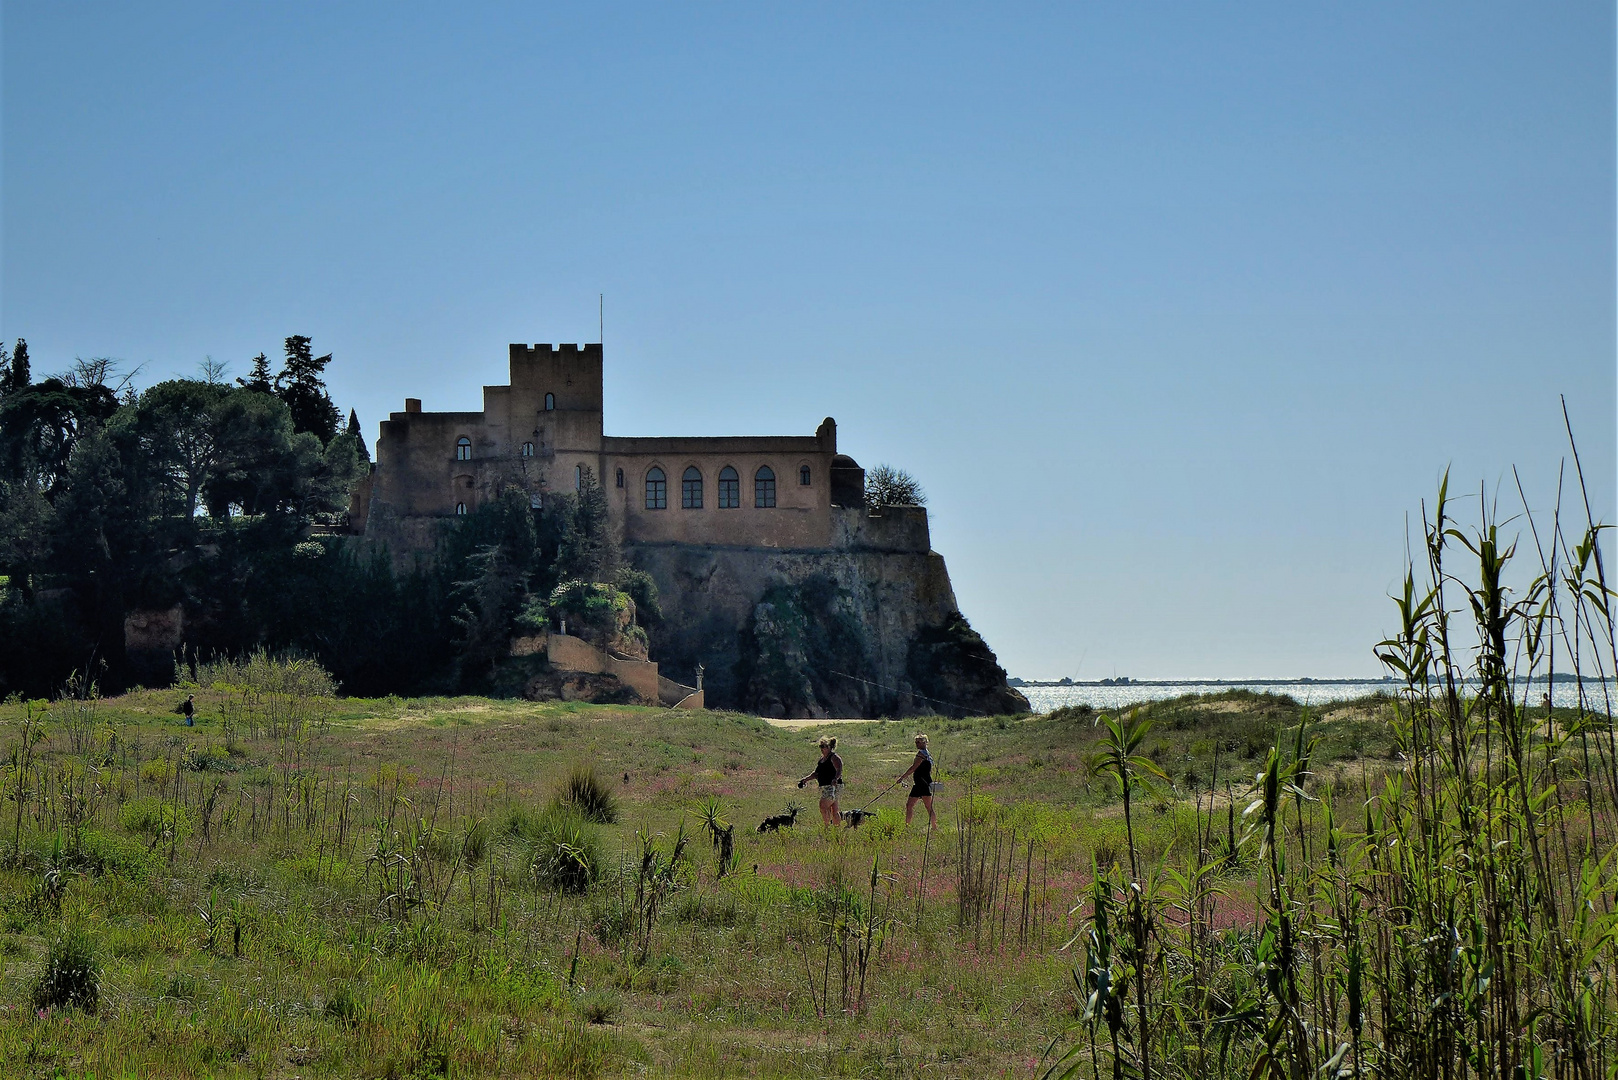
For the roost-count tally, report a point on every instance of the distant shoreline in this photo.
(1559, 677)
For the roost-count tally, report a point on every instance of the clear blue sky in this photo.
(1176, 310)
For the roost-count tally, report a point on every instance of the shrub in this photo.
(640, 587)
(583, 791)
(598, 1007)
(342, 1007)
(593, 610)
(156, 819)
(71, 976)
(564, 852)
(887, 486)
(267, 673)
(612, 921)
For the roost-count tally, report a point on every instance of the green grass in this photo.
(360, 894)
(360, 899)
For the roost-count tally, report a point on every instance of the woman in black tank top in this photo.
(922, 786)
(829, 775)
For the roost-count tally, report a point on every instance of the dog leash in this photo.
(879, 794)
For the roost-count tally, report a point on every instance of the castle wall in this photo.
(800, 517)
(538, 432)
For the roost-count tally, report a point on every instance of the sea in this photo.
(1104, 698)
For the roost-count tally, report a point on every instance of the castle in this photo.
(739, 533)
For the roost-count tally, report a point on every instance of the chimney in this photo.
(412, 404)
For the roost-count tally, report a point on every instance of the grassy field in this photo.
(304, 885)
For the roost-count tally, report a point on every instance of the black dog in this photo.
(855, 818)
(780, 821)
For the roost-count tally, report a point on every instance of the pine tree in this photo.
(17, 376)
(300, 385)
(359, 438)
(259, 378)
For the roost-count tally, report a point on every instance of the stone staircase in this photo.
(569, 654)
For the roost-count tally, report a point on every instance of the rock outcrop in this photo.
(868, 629)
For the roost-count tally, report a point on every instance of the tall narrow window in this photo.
(803, 475)
(691, 489)
(730, 489)
(620, 478)
(550, 402)
(578, 478)
(764, 487)
(463, 449)
(460, 509)
(657, 490)
(527, 449)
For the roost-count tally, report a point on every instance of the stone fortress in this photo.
(756, 543)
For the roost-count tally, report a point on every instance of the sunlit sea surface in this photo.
(1045, 698)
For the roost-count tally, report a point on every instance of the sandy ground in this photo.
(796, 725)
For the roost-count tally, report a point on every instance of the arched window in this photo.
(463, 449)
(764, 487)
(657, 490)
(460, 509)
(620, 478)
(578, 478)
(691, 489)
(730, 489)
(803, 476)
(550, 402)
(527, 449)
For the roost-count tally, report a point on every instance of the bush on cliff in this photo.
(887, 486)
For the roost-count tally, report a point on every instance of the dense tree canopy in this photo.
(226, 502)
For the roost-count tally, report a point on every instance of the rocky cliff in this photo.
(869, 628)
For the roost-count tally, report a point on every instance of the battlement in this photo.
(587, 351)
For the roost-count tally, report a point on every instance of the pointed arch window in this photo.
(527, 449)
(764, 487)
(730, 489)
(463, 449)
(657, 490)
(550, 402)
(620, 478)
(460, 509)
(691, 489)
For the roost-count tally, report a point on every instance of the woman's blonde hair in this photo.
(829, 741)
(921, 740)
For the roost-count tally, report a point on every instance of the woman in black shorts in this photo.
(922, 787)
(829, 775)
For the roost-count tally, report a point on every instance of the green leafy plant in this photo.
(70, 976)
(585, 793)
(564, 853)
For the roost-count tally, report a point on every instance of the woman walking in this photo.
(922, 787)
(829, 775)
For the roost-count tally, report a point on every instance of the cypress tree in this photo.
(17, 375)
(359, 439)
